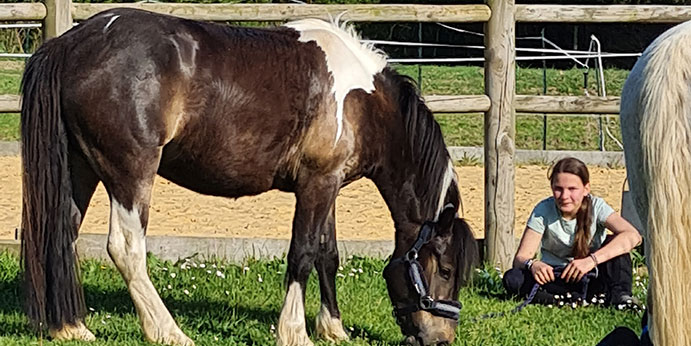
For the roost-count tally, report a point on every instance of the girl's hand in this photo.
(577, 268)
(542, 272)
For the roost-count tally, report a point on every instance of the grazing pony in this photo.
(227, 111)
(656, 128)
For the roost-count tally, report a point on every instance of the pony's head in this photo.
(434, 252)
(423, 284)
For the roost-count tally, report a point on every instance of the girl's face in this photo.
(568, 191)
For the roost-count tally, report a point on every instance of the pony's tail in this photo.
(657, 102)
(469, 254)
(53, 292)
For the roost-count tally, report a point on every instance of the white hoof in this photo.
(291, 324)
(168, 336)
(330, 328)
(77, 331)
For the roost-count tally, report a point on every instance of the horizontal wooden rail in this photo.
(9, 104)
(526, 104)
(567, 104)
(603, 14)
(22, 11)
(281, 12)
(470, 104)
(457, 103)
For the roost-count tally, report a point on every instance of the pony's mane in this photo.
(435, 182)
(374, 60)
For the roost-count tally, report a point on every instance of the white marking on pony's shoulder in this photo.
(352, 64)
(186, 55)
(112, 19)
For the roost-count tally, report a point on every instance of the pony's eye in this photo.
(445, 273)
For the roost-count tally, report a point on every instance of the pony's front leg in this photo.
(127, 247)
(329, 325)
(315, 199)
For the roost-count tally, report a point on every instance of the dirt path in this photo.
(361, 212)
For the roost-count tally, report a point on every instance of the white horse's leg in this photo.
(127, 248)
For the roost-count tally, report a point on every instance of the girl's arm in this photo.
(530, 242)
(625, 238)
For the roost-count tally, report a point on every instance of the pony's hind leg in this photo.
(84, 182)
(130, 195)
(315, 198)
(328, 323)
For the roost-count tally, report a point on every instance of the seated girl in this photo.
(569, 228)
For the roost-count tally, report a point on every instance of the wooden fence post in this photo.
(500, 133)
(58, 18)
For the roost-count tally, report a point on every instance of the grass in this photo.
(563, 132)
(217, 303)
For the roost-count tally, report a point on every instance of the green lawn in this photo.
(563, 132)
(224, 304)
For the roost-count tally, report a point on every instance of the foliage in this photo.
(218, 303)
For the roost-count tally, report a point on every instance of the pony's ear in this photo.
(446, 217)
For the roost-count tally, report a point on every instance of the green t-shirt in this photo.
(558, 233)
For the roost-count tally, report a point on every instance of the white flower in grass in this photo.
(108, 316)
(186, 292)
(173, 275)
(351, 274)
(272, 329)
(194, 287)
(245, 270)
(192, 278)
(208, 271)
(215, 338)
(340, 275)
(359, 270)
(340, 268)
(183, 266)
(353, 270)
(202, 265)
(259, 278)
(92, 309)
(170, 287)
(227, 293)
(103, 322)
(164, 269)
(213, 266)
(220, 274)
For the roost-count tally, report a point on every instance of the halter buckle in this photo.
(426, 302)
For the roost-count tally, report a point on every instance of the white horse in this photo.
(656, 128)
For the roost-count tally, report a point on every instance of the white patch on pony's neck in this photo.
(110, 22)
(449, 178)
(352, 64)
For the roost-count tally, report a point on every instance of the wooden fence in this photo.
(500, 102)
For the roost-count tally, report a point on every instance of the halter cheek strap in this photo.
(444, 308)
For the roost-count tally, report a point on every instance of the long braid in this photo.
(584, 218)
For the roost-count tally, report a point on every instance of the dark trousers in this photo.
(614, 279)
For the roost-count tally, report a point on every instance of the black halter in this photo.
(444, 308)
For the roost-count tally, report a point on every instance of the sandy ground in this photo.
(361, 212)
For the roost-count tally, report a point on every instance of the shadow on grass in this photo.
(201, 317)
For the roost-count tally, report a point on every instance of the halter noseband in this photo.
(444, 308)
